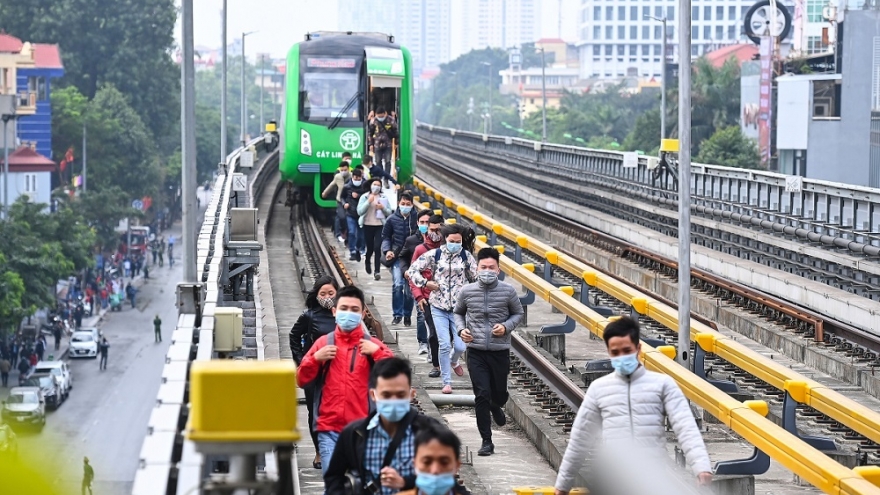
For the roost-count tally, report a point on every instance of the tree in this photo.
(729, 147)
(645, 135)
(11, 293)
(125, 43)
(102, 210)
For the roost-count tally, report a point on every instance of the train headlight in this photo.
(305, 142)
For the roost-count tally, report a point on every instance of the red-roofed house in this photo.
(741, 52)
(16, 56)
(30, 174)
(36, 129)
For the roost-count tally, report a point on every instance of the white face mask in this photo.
(375, 189)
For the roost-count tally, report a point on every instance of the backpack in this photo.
(464, 260)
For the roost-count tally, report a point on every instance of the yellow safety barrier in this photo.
(833, 404)
(545, 490)
(746, 419)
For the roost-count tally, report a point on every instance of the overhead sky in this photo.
(281, 23)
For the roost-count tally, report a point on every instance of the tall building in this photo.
(496, 24)
(422, 26)
(617, 40)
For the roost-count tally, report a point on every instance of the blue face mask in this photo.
(392, 409)
(453, 247)
(435, 484)
(348, 320)
(404, 210)
(626, 364)
(423, 229)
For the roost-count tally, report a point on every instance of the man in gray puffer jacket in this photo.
(625, 410)
(486, 312)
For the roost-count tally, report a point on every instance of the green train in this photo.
(333, 81)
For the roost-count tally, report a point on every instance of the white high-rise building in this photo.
(495, 24)
(617, 38)
(422, 26)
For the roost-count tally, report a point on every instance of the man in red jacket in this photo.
(341, 363)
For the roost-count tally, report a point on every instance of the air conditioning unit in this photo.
(822, 107)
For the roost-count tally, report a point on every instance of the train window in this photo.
(329, 92)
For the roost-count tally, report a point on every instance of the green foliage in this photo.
(125, 43)
(11, 293)
(101, 210)
(729, 147)
(645, 135)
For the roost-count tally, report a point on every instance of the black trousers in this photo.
(488, 370)
(373, 243)
(433, 342)
(103, 363)
(309, 391)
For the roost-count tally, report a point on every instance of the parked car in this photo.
(25, 406)
(84, 343)
(8, 443)
(60, 370)
(50, 385)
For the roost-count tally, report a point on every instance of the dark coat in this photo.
(311, 324)
(397, 229)
(348, 192)
(409, 248)
(351, 447)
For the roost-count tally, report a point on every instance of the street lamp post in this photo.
(489, 110)
(262, 83)
(543, 98)
(225, 67)
(663, 78)
(684, 181)
(6, 118)
(188, 145)
(243, 92)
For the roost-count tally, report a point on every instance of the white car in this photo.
(60, 370)
(84, 343)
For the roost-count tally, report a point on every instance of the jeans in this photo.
(326, 444)
(401, 298)
(451, 346)
(421, 329)
(488, 371)
(355, 236)
(339, 223)
(384, 154)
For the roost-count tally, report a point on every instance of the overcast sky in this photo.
(281, 23)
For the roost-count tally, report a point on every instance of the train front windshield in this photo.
(329, 89)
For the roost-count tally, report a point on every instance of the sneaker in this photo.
(429, 357)
(341, 239)
(353, 257)
(376, 276)
(435, 373)
(456, 367)
(357, 257)
(407, 322)
(396, 320)
(447, 389)
(423, 348)
(498, 415)
(488, 448)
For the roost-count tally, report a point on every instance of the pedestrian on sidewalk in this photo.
(103, 348)
(5, 366)
(23, 367)
(130, 291)
(157, 328)
(486, 313)
(88, 476)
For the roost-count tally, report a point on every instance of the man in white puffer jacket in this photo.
(627, 408)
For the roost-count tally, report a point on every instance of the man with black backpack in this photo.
(339, 365)
(376, 454)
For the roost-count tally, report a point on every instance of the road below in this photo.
(106, 415)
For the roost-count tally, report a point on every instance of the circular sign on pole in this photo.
(137, 204)
(759, 17)
(350, 140)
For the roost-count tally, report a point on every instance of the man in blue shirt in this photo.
(380, 448)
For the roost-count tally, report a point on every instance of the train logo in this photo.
(350, 140)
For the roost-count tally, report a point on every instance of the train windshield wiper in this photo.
(339, 115)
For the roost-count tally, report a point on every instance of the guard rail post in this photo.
(706, 342)
(800, 389)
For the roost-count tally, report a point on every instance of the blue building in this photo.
(37, 128)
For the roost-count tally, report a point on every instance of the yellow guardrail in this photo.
(746, 419)
(846, 411)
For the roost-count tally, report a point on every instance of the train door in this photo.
(385, 71)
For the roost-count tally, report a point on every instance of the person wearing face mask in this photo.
(373, 209)
(402, 224)
(377, 172)
(486, 313)
(339, 366)
(380, 448)
(383, 131)
(433, 239)
(351, 196)
(451, 268)
(437, 461)
(341, 177)
(627, 409)
(317, 320)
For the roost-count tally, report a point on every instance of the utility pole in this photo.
(489, 111)
(6, 118)
(188, 145)
(225, 67)
(243, 107)
(663, 78)
(262, 83)
(684, 181)
(543, 98)
(85, 163)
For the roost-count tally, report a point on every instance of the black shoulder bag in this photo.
(354, 480)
